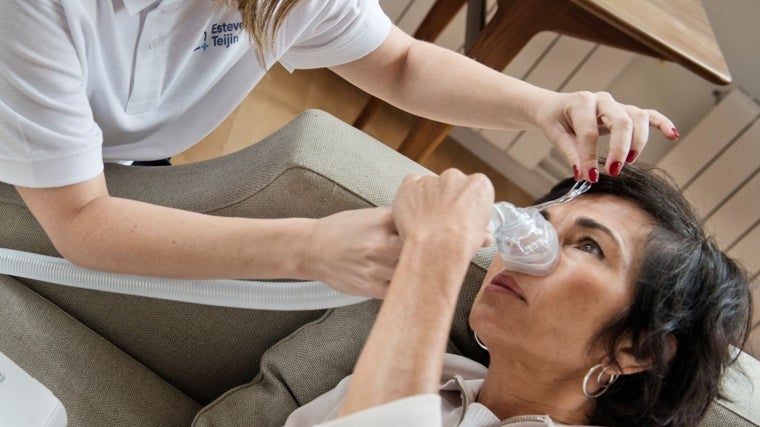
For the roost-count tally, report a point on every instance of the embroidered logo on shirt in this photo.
(222, 35)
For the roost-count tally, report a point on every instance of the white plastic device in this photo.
(26, 402)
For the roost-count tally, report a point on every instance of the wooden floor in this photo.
(281, 96)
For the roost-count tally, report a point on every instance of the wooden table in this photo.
(674, 30)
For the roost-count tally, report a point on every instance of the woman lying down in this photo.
(632, 328)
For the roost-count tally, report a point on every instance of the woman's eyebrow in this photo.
(586, 222)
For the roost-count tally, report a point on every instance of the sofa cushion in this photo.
(739, 400)
(296, 370)
(97, 383)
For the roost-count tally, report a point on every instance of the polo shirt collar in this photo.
(136, 6)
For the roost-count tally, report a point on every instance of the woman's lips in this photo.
(504, 283)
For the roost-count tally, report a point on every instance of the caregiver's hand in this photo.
(354, 251)
(574, 121)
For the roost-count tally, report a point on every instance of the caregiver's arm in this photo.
(442, 222)
(97, 231)
(442, 85)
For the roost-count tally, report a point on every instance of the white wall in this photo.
(737, 27)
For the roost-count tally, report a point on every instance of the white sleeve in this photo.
(48, 136)
(332, 32)
(423, 410)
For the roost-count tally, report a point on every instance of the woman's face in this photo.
(553, 320)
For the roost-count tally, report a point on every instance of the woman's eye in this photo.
(590, 246)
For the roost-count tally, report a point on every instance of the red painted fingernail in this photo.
(631, 156)
(593, 175)
(576, 173)
(615, 168)
(675, 132)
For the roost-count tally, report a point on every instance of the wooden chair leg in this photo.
(423, 139)
(368, 112)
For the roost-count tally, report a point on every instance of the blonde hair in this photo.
(262, 19)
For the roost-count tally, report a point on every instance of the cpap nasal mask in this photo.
(527, 241)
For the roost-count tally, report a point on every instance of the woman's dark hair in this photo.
(686, 289)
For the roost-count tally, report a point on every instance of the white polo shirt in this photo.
(88, 81)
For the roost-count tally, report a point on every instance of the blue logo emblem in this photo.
(222, 35)
(204, 45)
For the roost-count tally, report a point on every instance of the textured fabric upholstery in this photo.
(97, 383)
(312, 359)
(249, 367)
(739, 403)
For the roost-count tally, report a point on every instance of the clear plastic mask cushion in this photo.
(527, 242)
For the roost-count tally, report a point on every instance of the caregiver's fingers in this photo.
(577, 119)
(588, 110)
(623, 124)
(653, 119)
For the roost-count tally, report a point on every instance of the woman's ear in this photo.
(627, 363)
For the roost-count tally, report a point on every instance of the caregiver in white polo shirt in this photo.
(83, 82)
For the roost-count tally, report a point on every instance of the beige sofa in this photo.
(117, 360)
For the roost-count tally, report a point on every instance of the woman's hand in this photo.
(453, 207)
(574, 121)
(355, 251)
(441, 221)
